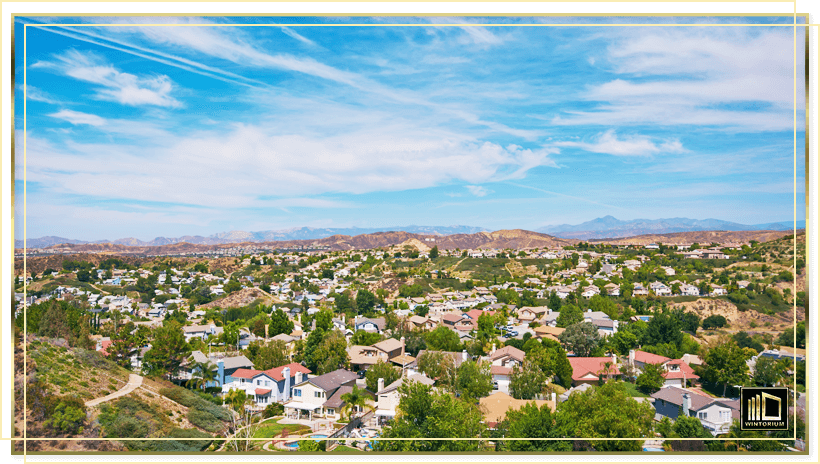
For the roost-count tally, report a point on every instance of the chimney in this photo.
(687, 403)
(549, 311)
(343, 318)
(493, 350)
(553, 399)
(614, 359)
(632, 358)
(313, 324)
(286, 390)
(221, 372)
(463, 355)
(402, 345)
(381, 385)
(298, 378)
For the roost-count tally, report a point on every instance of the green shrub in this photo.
(204, 420)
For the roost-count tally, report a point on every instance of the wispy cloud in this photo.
(478, 190)
(635, 145)
(76, 118)
(291, 33)
(120, 87)
(33, 93)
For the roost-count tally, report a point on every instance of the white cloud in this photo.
(291, 33)
(116, 86)
(696, 76)
(258, 167)
(33, 93)
(478, 190)
(78, 118)
(636, 145)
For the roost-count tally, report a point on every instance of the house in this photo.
(588, 370)
(717, 290)
(224, 365)
(495, 406)
(689, 290)
(612, 289)
(660, 289)
(676, 371)
(527, 314)
(201, 331)
(579, 388)
(450, 319)
(376, 324)
(388, 397)
(311, 395)
(420, 322)
(158, 310)
(509, 356)
(715, 414)
(266, 387)
(546, 331)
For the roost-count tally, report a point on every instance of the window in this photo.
(317, 394)
(702, 415)
(297, 392)
(330, 411)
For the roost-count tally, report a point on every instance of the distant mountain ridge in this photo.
(238, 236)
(611, 227)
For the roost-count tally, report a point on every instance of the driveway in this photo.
(134, 381)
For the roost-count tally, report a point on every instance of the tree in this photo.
(68, 416)
(664, 327)
(121, 350)
(324, 320)
(354, 399)
(726, 363)
(533, 422)
(381, 370)
(527, 381)
(203, 374)
(438, 366)
(622, 341)
(442, 338)
(570, 314)
(53, 323)
(424, 414)
(581, 338)
(168, 350)
(605, 305)
(434, 252)
(279, 323)
(713, 322)
(554, 301)
(473, 380)
(269, 355)
(651, 379)
(365, 301)
(331, 354)
(607, 411)
(768, 371)
(365, 338)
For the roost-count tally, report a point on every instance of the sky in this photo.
(206, 125)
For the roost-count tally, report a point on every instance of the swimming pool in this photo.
(318, 436)
(292, 444)
(644, 318)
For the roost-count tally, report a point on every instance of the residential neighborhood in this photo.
(343, 345)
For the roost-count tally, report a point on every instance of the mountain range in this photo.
(611, 227)
(238, 236)
(600, 228)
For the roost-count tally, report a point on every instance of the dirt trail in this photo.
(134, 381)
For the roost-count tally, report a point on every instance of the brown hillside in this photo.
(701, 237)
(241, 298)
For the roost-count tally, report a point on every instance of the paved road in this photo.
(134, 381)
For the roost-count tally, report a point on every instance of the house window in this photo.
(317, 394)
(702, 415)
(297, 392)
(331, 411)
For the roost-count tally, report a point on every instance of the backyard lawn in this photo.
(271, 430)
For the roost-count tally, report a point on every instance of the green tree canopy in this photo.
(532, 422)
(381, 370)
(442, 338)
(606, 411)
(651, 379)
(425, 413)
(726, 364)
(570, 315)
(279, 323)
(168, 351)
(473, 380)
(581, 338)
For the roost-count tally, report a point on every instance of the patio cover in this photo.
(385, 412)
(304, 406)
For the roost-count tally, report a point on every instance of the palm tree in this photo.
(203, 374)
(354, 398)
(237, 399)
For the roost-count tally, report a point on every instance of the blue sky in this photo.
(142, 130)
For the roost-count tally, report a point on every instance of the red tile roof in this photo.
(475, 313)
(649, 358)
(500, 370)
(262, 391)
(105, 344)
(582, 367)
(276, 372)
(243, 373)
(684, 371)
